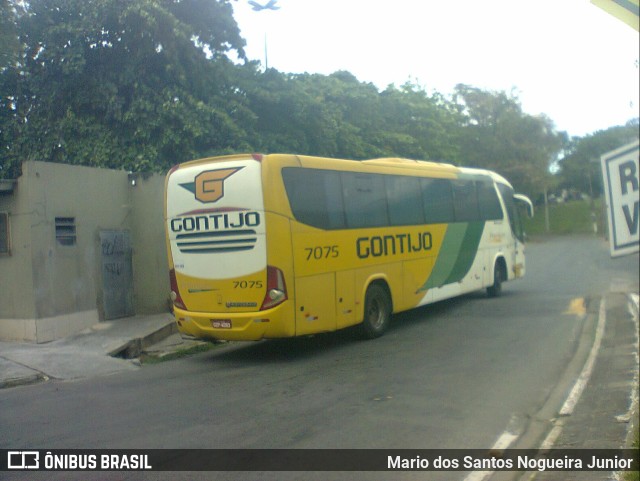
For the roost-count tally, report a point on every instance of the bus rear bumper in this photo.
(243, 326)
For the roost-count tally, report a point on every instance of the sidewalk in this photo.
(606, 413)
(105, 348)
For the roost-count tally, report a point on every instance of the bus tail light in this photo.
(276, 289)
(175, 293)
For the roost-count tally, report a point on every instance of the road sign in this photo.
(625, 10)
(620, 172)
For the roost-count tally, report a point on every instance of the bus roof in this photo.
(410, 163)
(422, 165)
(495, 176)
(392, 163)
(387, 164)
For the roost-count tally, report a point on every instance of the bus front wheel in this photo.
(499, 276)
(377, 312)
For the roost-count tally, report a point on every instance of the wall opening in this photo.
(5, 234)
(66, 231)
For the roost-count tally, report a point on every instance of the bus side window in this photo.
(365, 200)
(437, 201)
(490, 208)
(405, 203)
(465, 200)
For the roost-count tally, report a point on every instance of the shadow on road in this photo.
(299, 348)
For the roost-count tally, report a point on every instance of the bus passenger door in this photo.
(518, 258)
(522, 204)
(315, 304)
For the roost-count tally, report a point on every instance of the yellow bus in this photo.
(272, 246)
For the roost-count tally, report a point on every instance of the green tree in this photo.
(580, 167)
(419, 126)
(496, 134)
(113, 83)
(147, 84)
(9, 44)
(347, 113)
(339, 116)
(311, 114)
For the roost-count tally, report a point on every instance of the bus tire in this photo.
(499, 276)
(377, 312)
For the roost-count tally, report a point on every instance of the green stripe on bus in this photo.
(447, 256)
(458, 251)
(467, 253)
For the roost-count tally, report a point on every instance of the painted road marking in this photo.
(505, 440)
(577, 307)
(583, 379)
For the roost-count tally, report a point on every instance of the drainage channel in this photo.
(135, 347)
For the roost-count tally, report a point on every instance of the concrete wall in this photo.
(150, 265)
(16, 281)
(51, 290)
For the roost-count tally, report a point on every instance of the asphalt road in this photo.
(452, 375)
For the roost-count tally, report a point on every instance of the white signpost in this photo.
(622, 194)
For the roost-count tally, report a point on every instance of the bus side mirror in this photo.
(526, 201)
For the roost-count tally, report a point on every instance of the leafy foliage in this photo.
(119, 84)
(9, 45)
(498, 135)
(147, 84)
(580, 167)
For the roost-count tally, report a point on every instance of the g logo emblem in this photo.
(208, 186)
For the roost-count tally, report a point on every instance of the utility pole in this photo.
(257, 7)
(266, 56)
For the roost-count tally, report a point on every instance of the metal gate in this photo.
(117, 274)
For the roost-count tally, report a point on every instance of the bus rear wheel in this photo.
(499, 276)
(377, 312)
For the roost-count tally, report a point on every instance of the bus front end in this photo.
(222, 286)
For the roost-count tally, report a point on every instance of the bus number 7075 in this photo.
(322, 252)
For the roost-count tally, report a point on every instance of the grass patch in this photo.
(179, 354)
(634, 475)
(567, 218)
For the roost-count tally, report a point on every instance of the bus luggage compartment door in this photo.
(315, 304)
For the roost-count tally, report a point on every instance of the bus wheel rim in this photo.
(376, 317)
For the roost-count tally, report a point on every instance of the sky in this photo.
(566, 59)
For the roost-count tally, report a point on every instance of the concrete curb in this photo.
(106, 348)
(23, 381)
(135, 347)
